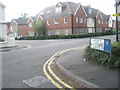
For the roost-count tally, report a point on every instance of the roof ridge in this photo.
(69, 8)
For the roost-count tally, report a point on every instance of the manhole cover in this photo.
(36, 81)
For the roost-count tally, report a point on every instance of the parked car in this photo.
(20, 38)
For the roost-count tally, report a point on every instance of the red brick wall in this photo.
(22, 30)
(80, 13)
(30, 21)
(61, 24)
(105, 23)
(8, 29)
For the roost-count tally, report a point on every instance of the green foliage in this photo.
(39, 28)
(24, 16)
(41, 31)
(1, 39)
(104, 58)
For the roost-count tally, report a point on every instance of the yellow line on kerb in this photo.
(48, 76)
(47, 65)
(55, 76)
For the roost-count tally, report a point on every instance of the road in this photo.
(26, 63)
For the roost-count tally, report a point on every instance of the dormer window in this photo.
(90, 10)
(48, 12)
(58, 9)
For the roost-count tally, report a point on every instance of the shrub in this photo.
(1, 39)
(69, 36)
(104, 58)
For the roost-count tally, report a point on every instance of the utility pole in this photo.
(117, 4)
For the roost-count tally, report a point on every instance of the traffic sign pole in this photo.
(116, 23)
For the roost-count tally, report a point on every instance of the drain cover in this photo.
(36, 81)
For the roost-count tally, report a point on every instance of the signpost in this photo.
(101, 44)
(117, 14)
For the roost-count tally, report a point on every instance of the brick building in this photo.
(73, 18)
(21, 27)
(65, 18)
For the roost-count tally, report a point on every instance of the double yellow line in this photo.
(47, 69)
(47, 66)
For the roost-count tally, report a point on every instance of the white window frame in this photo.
(90, 10)
(56, 21)
(81, 20)
(93, 20)
(48, 22)
(76, 19)
(98, 21)
(102, 21)
(30, 24)
(65, 20)
(85, 20)
(58, 9)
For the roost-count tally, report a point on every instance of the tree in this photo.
(39, 28)
(24, 16)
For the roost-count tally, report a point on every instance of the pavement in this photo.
(85, 72)
(9, 48)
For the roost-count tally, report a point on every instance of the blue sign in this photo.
(101, 44)
(107, 45)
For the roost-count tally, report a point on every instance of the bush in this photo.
(1, 39)
(104, 58)
(69, 36)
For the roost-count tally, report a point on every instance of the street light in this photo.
(117, 4)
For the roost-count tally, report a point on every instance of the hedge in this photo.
(68, 36)
(104, 58)
(1, 39)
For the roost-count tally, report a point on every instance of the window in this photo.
(90, 10)
(85, 20)
(102, 21)
(93, 21)
(81, 20)
(56, 21)
(58, 9)
(106, 22)
(76, 19)
(31, 33)
(48, 12)
(30, 24)
(98, 21)
(11, 29)
(48, 22)
(65, 20)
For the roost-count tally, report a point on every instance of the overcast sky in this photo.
(14, 8)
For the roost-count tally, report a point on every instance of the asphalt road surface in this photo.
(27, 63)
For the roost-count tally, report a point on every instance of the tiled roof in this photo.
(21, 21)
(68, 8)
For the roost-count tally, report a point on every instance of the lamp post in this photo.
(117, 4)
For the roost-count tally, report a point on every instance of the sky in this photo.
(14, 8)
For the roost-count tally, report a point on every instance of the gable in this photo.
(39, 18)
(80, 10)
(14, 22)
(99, 15)
(57, 5)
(30, 20)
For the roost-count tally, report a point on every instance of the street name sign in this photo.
(117, 14)
(101, 44)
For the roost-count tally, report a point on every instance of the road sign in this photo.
(117, 14)
(101, 44)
